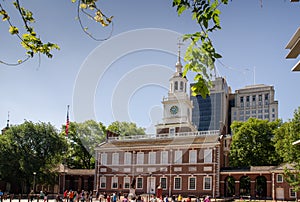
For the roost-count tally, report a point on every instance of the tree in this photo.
(125, 128)
(200, 55)
(28, 148)
(285, 136)
(82, 139)
(252, 143)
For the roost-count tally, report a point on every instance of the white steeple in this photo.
(177, 106)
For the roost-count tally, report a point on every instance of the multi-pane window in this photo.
(115, 159)
(279, 178)
(102, 182)
(152, 158)
(127, 158)
(207, 155)
(104, 158)
(177, 183)
(114, 182)
(178, 156)
(163, 182)
(193, 156)
(126, 182)
(139, 183)
(207, 183)
(292, 193)
(164, 157)
(192, 183)
(140, 158)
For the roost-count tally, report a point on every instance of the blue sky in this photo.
(126, 76)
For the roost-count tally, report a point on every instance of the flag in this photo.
(68, 122)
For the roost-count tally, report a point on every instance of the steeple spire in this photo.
(7, 124)
(178, 63)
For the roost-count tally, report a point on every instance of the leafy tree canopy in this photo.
(252, 143)
(82, 139)
(285, 137)
(28, 148)
(125, 128)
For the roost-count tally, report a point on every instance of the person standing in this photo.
(207, 199)
(31, 195)
(71, 196)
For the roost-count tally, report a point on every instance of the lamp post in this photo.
(34, 173)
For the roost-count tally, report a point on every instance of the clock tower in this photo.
(177, 107)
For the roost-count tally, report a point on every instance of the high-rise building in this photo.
(257, 101)
(211, 113)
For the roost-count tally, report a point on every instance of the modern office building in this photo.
(257, 101)
(211, 113)
(294, 46)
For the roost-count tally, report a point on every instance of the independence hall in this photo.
(183, 158)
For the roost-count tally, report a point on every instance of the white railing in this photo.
(166, 135)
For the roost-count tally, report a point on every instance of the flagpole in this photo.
(64, 164)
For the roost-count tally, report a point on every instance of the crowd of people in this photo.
(87, 196)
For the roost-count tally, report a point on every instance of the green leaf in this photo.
(180, 9)
(13, 30)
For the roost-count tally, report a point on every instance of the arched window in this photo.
(181, 85)
(176, 85)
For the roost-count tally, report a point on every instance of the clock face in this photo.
(174, 109)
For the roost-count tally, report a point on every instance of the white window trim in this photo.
(290, 191)
(152, 158)
(180, 183)
(192, 156)
(114, 180)
(115, 158)
(164, 157)
(166, 182)
(127, 158)
(279, 181)
(178, 157)
(207, 177)
(126, 180)
(137, 183)
(103, 158)
(208, 156)
(102, 179)
(189, 188)
(140, 158)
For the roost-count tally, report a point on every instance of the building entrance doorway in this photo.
(151, 185)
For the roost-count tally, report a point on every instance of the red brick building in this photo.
(178, 159)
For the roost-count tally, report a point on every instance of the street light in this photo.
(34, 173)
